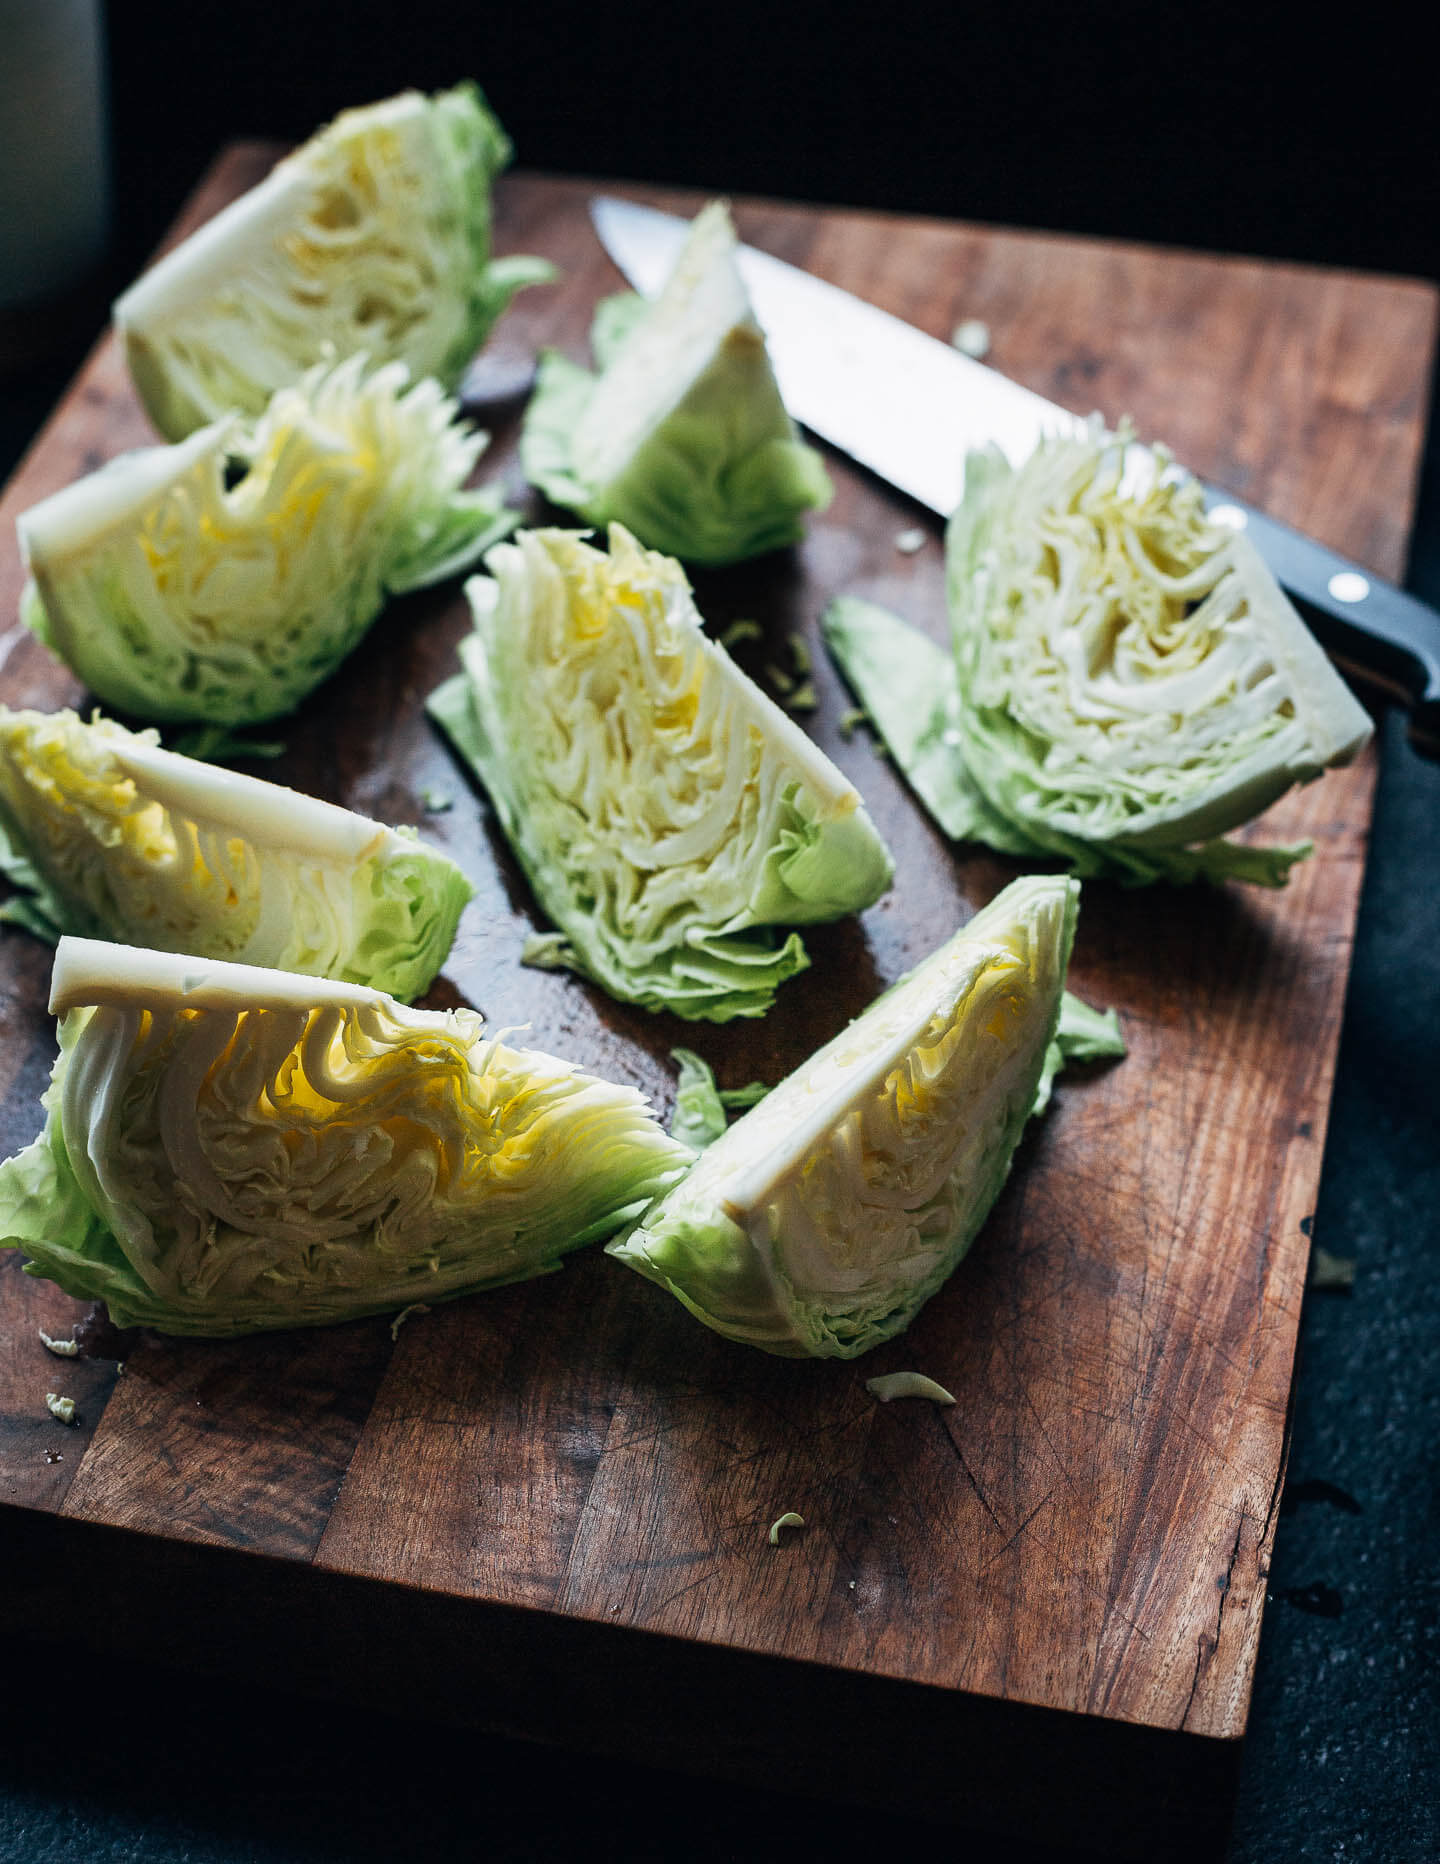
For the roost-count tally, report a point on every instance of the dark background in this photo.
(1289, 133)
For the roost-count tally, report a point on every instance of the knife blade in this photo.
(908, 407)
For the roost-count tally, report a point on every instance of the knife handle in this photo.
(1375, 632)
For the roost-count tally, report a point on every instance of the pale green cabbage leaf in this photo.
(821, 1222)
(1128, 685)
(178, 592)
(228, 1150)
(702, 1106)
(682, 437)
(122, 840)
(374, 236)
(670, 817)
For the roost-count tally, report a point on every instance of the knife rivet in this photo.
(1348, 586)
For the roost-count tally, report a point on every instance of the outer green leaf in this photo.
(683, 437)
(906, 683)
(820, 1223)
(701, 1107)
(228, 1150)
(670, 816)
(176, 596)
(125, 841)
(374, 237)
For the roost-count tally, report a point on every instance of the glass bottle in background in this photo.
(54, 172)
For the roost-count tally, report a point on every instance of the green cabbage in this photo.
(129, 842)
(683, 437)
(668, 814)
(702, 1106)
(821, 1222)
(177, 591)
(228, 1150)
(1129, 682)
(374, 237)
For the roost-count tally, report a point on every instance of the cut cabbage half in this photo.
(820, 1223)
(176, 590)
(670, 816)
(132, 843)
(374, 237)
(683, 437)
(228, 1150)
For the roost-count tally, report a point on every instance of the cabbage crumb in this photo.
(786, 1520)
(549, 951)
(1327, 1271)
(911, 541)
(63, 1349)
(743, 630)
(61, 1409)
(907, 1385)
(415, 1307)
(971, 338)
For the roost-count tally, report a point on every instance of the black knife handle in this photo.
(1373, 631)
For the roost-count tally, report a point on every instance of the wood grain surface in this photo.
(1088, 1529)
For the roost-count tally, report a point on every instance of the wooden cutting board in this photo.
(546, 1509)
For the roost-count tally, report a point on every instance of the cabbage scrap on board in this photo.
(374, 236)
(228, 1150)
(178, 590)
(683, 437)
(669, 815)
(1129, 683)
(128, 842)
(822, 1221)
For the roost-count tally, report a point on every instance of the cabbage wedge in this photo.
(670, 817)
(374, 236)
(228, 1150)
(178, 591)
(1129, 681)
(683, 437)
(128, 842)
(822, 1221)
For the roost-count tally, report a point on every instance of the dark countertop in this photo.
(1341, 1763)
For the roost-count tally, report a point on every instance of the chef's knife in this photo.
(907, 407)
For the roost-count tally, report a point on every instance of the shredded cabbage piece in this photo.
(126, 841)
(683, 437)
(791, 1519)
(670, 817)
(822, 1221)
(702, 1109)
(228, 1150)
(175, 594)
(374, 236)
(908, 1385)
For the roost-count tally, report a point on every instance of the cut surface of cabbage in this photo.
(821, 1221)
(132, 843)
(229, 1150)
(670, 816)
(373, 237)
(682, 437)
(179, 591)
